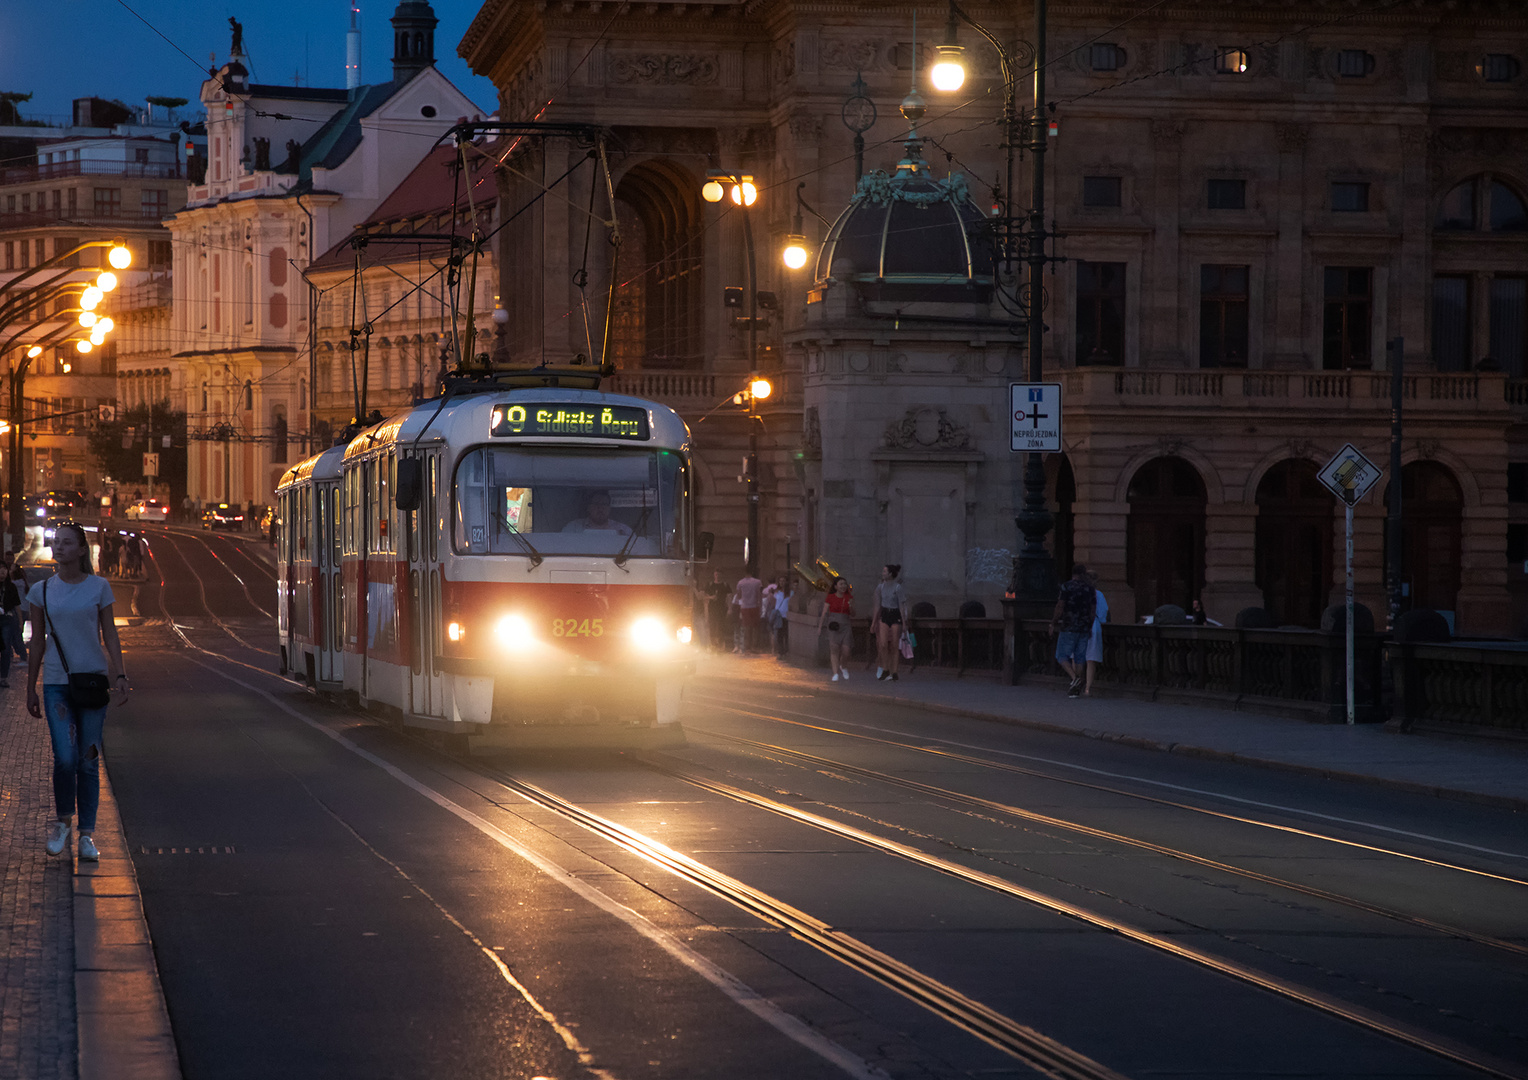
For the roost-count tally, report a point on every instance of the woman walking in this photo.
(837, 611)
(72, 618)
(890, 601)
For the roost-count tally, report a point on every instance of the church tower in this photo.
(413, 39)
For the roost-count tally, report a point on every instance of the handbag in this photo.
(907, 646)
(87, 689)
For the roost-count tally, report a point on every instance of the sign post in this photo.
(1349, 476)
(1035, 413)
(150, 466)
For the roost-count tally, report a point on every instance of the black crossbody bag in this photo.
(87, 689)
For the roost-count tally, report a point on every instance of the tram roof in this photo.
(466, 419)
(324, 466)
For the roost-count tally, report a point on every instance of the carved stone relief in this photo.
(927, 428)
(663, 69)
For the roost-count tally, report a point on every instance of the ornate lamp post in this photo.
(1034, 580)
(741, 190)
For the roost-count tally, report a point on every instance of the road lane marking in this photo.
(721, 702)
(735, 989)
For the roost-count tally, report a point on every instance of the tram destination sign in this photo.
(565, 421)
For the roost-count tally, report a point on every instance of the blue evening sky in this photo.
(63, 49)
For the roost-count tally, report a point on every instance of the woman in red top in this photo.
(837, 610)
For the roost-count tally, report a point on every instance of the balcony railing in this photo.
(37, 219)
(1309, 390)
(664, 386)
(156, 170)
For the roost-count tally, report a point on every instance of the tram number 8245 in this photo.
(578, 627)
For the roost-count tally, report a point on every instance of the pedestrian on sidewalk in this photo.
(750, 592)
(716, 611)
(837, 612)
(1072, 623)
(890, 615)
(1199, 617)
(779, 614)
(72, 620)
(1096, 639)
(18, 577)
(10, 622)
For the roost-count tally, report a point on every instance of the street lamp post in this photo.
(31, 302)
(1034, 580)
(740, 188)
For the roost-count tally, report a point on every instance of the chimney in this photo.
(353, 49)
(413, 39)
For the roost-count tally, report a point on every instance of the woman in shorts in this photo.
(890, 617)
(837, 610)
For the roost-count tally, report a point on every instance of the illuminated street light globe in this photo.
(34, 352)
(760, 388)
(90, 298)
(795, 253)
(87, 319)
(744, 193)
(83, 346)
(712, 191)
(119, 257)
(96, 337)
(104, 325)
(949, 71)
(106, 281)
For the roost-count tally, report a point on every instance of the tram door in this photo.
(326, 581)
(424, 551)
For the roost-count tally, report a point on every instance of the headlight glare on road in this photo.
(649, 634)
(514, 632)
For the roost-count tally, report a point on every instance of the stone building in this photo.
(291, 170)
(1253, 199)
(402, 293)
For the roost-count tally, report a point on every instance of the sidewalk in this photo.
(1470, 769)
(79, 989)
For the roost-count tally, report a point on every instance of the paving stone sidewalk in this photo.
(79, 988)
(1488, 771)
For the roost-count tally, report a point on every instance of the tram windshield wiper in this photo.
(530, 549)
(625, 552)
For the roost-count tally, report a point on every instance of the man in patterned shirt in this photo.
(1072, 623)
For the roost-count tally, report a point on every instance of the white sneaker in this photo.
(88, 852)
(846, 676)
(880, 673)
(835, 678)
(58, 837)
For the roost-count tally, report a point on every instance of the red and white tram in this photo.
(511, 565)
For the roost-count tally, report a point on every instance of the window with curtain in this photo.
(1451, 323)
(1509, 325)
(1223, 316)
(1100, 313)
(1349, 307)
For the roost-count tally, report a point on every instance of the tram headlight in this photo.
(684, 633)
(649, 634)
(455, 630)
(513, 632)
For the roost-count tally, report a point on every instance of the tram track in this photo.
(1049, 821)
(204, 542)
(947, 753)
(168, 538)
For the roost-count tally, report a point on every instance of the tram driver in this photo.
(597, 517)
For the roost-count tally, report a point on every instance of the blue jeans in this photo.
(1073, 647)
(77, 745)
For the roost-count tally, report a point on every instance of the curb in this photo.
(122, 1022)
(1503, 802)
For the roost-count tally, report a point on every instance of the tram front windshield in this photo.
(567, 502)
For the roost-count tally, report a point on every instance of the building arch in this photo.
(1061, 490)
(1432, 535)
(1164, 533)
(1214, 490)
(658, 321)
(1293, 553)
(1483, 202)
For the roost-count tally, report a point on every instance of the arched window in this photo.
(1482, 203)
(1293, 556)
(1164, 537)
(302, 394)
(658, 301)
(249, 395)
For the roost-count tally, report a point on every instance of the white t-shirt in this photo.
(74, 618)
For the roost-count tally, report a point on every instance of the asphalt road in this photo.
(810, 888)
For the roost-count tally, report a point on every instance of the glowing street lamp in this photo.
(795, 253)
(88, 319)
(119, 257)
(760, 389)
(106, 281)
(90, 298)
(82, 346)
(949, 71)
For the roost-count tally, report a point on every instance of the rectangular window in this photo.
(1101, 191)
(160, 253)
(74, 200)
(141, 155)
(1509, 325)
(108, 202)
(26, 202)
(1226, 194)
(1345, 326)
(10, 254)
(155, 203)
(1100, 313)
(1349, 198)
(1517, 481)
(58, 199)
(1354, 63)
(1230, 60)
(1451, 323)
(1499, 67)
(1517, 543)
(1223, 316)
(40, 248)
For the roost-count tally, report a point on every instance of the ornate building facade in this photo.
(1254, 200)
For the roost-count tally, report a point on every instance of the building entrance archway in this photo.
(1432, 530)
(1294, 543)
(1164, 540)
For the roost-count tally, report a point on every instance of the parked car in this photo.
(148, 510)
(223, 516)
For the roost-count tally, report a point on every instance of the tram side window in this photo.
(510, 500)
(352, 511)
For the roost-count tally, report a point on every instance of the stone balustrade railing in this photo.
(665, 386)
(1310, 390)
(1472, 686)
